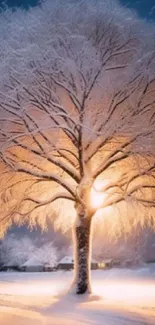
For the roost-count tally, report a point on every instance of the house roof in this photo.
(70, 260)
(67, 260)
(107, 260)
(32, 265)
(93, 261)
(32, 262)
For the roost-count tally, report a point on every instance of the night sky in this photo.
(20, 3)
(143, 7)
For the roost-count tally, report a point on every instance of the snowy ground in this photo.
(120, 297)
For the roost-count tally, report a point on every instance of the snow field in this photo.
(120, 297)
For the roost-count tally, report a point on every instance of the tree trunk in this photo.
(82, 242)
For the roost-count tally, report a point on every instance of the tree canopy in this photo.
(76, 107)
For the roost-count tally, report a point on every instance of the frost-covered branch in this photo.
(77, 107)
(48, 176)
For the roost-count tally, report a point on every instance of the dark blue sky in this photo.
(142, 6)
(20, 3)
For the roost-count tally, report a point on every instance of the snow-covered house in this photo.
(105, 264)
(37, 268)
(94, 264)
(31, 267)
(44, 260)
(67, 263)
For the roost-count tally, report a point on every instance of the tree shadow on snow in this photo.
(91, 309)
(86, 309)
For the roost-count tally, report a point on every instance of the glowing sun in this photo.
(97, 195)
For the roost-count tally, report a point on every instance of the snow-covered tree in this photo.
(46, 254)
(77, 121)
(20, 251)
(16, 251)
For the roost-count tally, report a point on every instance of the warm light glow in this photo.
(126, 291)
(130, 288)
(97, 195)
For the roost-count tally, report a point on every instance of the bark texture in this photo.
(82, 238)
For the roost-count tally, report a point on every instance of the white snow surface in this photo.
(120, 297)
